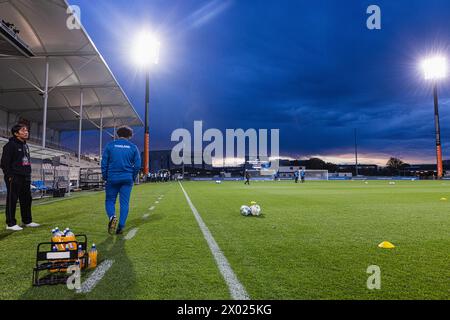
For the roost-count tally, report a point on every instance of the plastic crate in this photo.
(51, 266)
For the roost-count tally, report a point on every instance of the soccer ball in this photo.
(218, 181)
(246, 211)
(255, 209)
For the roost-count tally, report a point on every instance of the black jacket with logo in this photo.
(16, 159)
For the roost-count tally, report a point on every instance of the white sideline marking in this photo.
(131, 234)
(145, 216)
(95, 277)
(152, 208)
(236, 289)
(156, 202)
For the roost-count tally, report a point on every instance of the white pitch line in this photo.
(131, 234)
(156, 202)
(236, 289)
(95, 277)
(152, 208)
(145, 216)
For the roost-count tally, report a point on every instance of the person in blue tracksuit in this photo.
(296, 175)
(121, 164)
(302, 175)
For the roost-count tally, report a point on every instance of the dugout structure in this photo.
(91, 179)
(53, 76)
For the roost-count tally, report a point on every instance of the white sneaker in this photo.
(14, 228)
(32, 225)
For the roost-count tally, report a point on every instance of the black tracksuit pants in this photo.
(18, 189)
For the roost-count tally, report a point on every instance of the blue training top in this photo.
(120, 161)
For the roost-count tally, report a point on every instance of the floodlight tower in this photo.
(146, 53)
(435, 69)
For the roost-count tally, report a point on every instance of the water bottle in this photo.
(93, 256)
(70, 236)
(58, 232)
(56, 238)
(80, 251)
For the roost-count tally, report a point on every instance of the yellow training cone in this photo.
(386, 245)
(443, 199)
(253, 202)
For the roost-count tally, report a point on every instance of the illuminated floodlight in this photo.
(434, 68)
(146, 49)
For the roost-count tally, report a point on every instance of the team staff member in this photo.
(121, 163)
(247, 177)
(302, 175)
(16, 166)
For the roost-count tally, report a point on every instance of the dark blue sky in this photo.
(310, 68)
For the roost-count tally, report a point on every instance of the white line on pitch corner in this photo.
(131, 234)
(236, 289)
(95, 277)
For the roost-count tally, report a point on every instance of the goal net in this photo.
(316, 174)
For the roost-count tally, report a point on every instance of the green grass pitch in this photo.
(313, 241)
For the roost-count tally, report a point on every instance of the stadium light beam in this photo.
(145, 52)
(435, 69)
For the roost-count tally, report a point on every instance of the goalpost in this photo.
(316, 174)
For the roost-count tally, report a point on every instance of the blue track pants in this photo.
(123, 188)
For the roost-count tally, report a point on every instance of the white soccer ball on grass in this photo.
(256, 210)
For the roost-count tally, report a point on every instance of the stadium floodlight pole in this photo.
(146, 52)
(438, 133)
(147, 131)
(356, 155)
(435, 69)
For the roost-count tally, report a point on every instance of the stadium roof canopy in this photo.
(74, 66)
(37, 152)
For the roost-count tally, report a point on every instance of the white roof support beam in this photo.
(93, 86)
(27, 80)
(57, 108)
(72, 73)
(44, 120)
(80, 127)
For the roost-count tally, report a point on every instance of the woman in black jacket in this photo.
(16, 166)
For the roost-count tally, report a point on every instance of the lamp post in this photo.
(356, 155)
(435, 69)
(146, 53)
